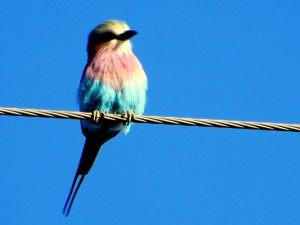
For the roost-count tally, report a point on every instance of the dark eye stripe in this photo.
(97, 38)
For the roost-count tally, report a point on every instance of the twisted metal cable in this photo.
(152, 119)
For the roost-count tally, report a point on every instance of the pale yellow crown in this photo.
(115, 26)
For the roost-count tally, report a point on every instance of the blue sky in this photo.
(236, 60)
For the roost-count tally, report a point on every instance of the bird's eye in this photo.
(97, 38)
(107, 36)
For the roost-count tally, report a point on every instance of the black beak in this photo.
(126, 35)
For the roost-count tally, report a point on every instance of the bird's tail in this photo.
(88, 156)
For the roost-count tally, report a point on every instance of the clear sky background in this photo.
(236, 60)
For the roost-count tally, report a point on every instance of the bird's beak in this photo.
(127, 35)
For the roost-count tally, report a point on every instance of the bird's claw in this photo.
(129, 116)
(96, 115)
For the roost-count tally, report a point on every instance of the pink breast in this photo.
(115, 69)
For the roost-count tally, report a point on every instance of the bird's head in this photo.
(112, 35)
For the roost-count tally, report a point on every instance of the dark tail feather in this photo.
(70, 193)
(66, 210)
(88, 156)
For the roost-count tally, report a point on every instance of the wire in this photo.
(152, 119)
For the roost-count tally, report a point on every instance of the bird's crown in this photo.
(115, 26)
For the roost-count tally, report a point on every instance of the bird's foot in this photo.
(129, 116)
(96, 115)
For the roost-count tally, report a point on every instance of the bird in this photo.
(113, 81)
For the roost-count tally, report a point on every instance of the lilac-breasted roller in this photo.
(113, 81)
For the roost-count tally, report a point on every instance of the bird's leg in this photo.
(96, 115)
(129, 116)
